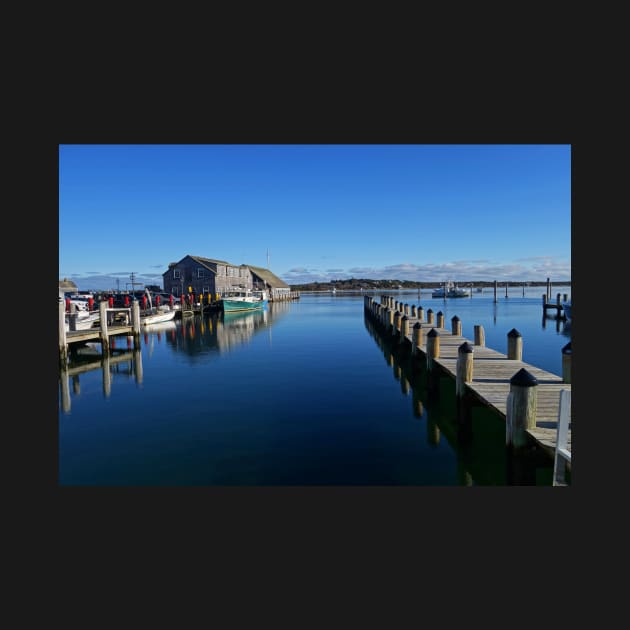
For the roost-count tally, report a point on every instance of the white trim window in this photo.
(200, 272)
(176, 274)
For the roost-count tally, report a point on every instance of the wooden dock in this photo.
(492, 371)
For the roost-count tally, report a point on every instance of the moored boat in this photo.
(243, 300)
(450, 290)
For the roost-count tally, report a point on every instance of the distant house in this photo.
(197, 274)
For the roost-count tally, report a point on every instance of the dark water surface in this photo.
(304, 393)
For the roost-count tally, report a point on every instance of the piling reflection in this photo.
(479, 443)
(87, 358)
(195, 337)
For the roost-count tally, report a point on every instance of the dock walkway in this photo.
(491, 375)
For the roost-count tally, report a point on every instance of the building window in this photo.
(176, 273)
(205, 290)
(200, 273)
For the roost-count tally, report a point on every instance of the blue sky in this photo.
(417, 212)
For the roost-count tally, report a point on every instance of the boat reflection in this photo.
(216, 333)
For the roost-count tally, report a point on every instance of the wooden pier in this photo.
(489, 377)
(108, 328)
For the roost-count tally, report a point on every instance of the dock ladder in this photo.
(563, 454)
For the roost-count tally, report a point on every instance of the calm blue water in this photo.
(305, 393)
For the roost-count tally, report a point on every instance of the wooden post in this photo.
(414, 312)
(439, 319)
(464, 368)
(404, 328)
(564, 297)
(515, 345)
(420, 313)
(480, 335)
(566, 363)
(433, 347)
(135, 323)
(433, 352)
(63, 344)
(521, 408)
(456, 326)
(496, 284)
(548, 289)
(397, 317)
(417, 338)
(390, 321)
(558, 302)
(506, 287)
(406, 309)
(430, 317)
(102, 308)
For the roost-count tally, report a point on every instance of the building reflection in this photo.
(218, 332)
(197, 337)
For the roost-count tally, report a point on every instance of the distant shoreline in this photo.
(393, 285)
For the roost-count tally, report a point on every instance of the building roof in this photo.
(269, 278)
(204, 261)
(67, 285)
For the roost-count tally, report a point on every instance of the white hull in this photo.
(157, 317)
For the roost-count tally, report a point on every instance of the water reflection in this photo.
(478, 441)
(118, 363)
(223, 332)
(194, 337)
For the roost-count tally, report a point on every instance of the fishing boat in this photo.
(450, 290)
(457, 292)
(243, 300)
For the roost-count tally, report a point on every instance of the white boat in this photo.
(566, 309)
(457, 292)
(450, 290)
(157, 315)
(243, 300)
(84, 320)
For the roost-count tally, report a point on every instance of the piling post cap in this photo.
(567, 349)
(454, 318)
(405, 318)
(523, 378)
(433, 333)
(439, 313)
(514, 333)
(417, 325)
(419, 305)
(465, 348)
(430, 310)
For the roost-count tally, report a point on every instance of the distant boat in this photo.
(244, 300)
(450, 290)
(333, 290)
